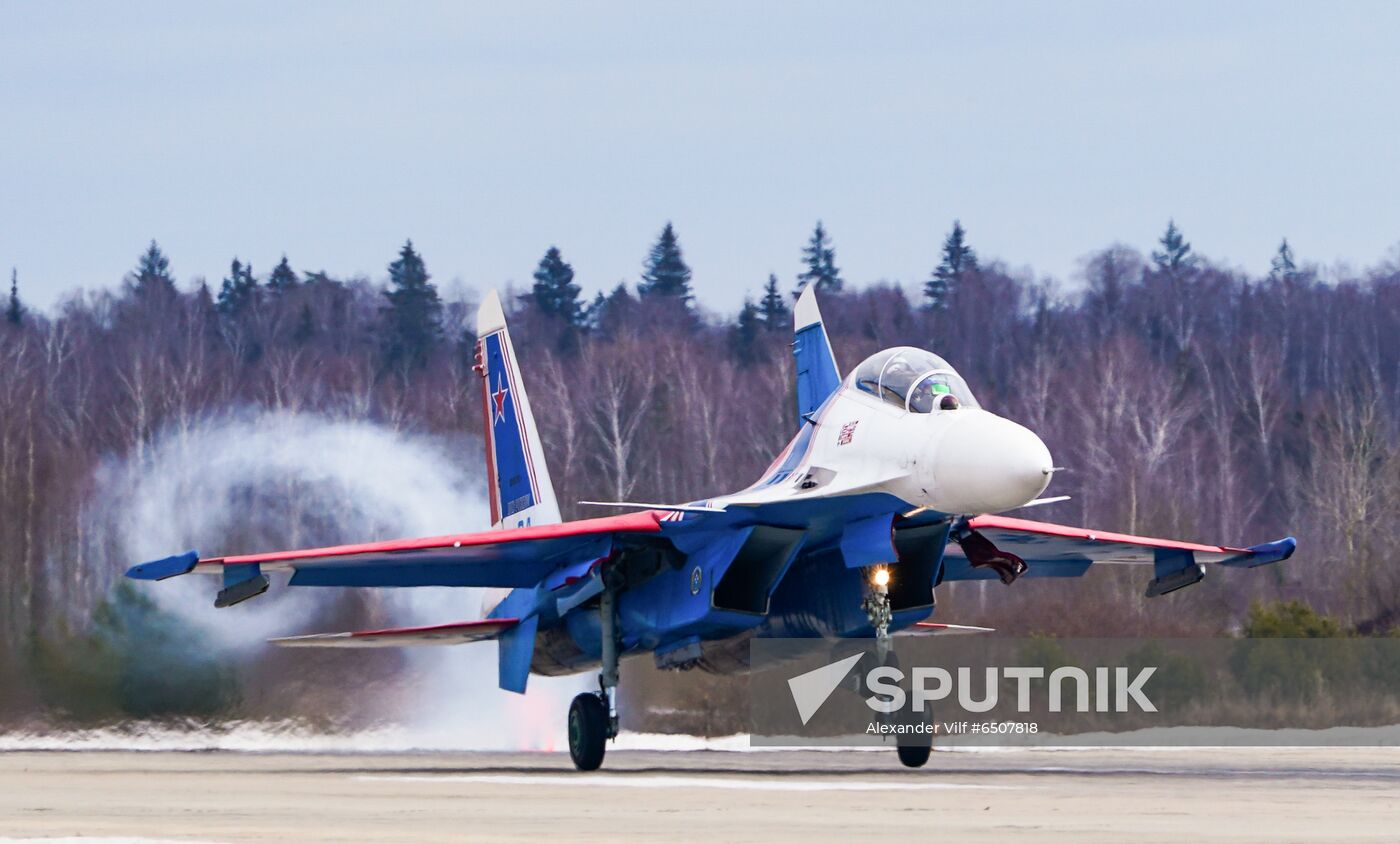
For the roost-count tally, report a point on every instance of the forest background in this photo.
(1187, 399)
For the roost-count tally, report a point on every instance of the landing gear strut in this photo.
(912, 745)
(877, 609)
(593, 715)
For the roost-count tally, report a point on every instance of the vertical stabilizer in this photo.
(817, 373)
(521, 491)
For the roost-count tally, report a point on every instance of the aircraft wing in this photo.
(501, 558)
(1051, 550)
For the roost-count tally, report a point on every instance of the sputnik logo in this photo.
(932, 684)
(810, 690)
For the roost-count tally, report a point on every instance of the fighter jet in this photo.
(890, 487)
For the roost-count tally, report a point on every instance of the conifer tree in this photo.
(772, 309)
(413, 315)
(14, 312)
(612, 312)
(958, 260)
(1175, 254)
(283, 277)
(820, 260)
(746, 332)
(1283, 267)
(306, 325)
(152, 274)
(239, 291)
(593, 313)
(554, 292)
(204, 300)
(665, 273)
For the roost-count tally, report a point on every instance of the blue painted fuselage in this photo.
(774, 570)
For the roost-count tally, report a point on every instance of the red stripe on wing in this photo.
(645, 521)
(1048, 529)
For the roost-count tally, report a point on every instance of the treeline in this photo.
(1185, 398)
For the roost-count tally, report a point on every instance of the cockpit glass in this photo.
(901, 371)
(867, 375)
(902, 375)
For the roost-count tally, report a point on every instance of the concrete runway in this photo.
(1235, 795)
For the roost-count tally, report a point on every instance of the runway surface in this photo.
(1234, 795)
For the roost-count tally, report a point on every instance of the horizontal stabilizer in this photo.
(934, 628)
(456, 633)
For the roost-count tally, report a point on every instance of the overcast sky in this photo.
(487, 132)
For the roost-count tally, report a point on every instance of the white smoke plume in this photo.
(263, 480)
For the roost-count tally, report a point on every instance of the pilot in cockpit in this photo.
(933, 391)
(896, 378)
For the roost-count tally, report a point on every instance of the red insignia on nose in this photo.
(848, 432)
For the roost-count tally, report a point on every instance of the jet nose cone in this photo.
(985, 463)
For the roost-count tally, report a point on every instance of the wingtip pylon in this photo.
(164, 568)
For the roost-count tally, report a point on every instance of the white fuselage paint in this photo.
(965, 460)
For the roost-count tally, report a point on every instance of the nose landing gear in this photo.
(877, 609)
(912, 744)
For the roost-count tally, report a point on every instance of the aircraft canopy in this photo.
(912, 379)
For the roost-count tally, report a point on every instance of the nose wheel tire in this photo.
(912, 745)
(913, 756)
(588, 731)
